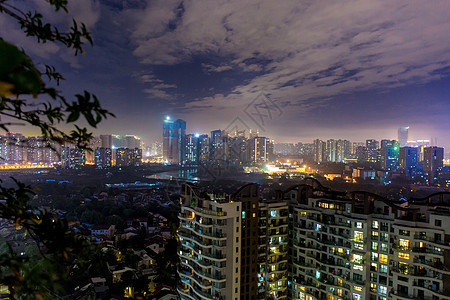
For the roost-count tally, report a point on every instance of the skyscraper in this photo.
(319, 151)
(403, 136)
(407, 160)
(432, 161)
(107, 140)
(174, 133)
(191, 151)
(372, 150)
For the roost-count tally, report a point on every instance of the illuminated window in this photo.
(375, 224)
(403, 255)
(382, 290)
(374, 235)
(373, 287)
(273, 213)
(374, 256)
(383, 258)
(357, 288)
(303, 213)
(358, 246)
(359, 225)
(243, 214)
(358, 258)
(384, 237)
(374, 267)
(383, 268)
(356, 296)
(404, 243)
(358, 236)
(358, 267)
(254, 215)
(383, 247)
(375, 246)
(403, 268)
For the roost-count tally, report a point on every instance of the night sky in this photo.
(314, 69)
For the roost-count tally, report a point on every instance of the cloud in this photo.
(158, 94)
(300, 49)
(207, 68)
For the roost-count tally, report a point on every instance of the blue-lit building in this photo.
(174, 136)
(389, 156)
(191, 152)
(408, 160)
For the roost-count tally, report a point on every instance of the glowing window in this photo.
(383, 258)
(303, 213)
(382, 290)
(357, 288)
(374, 256)
(358, 236)
(375, 246)
(404, 243)
(375, 224)
(273, 213)
(358, 246)
(359, 225)
(403, 255)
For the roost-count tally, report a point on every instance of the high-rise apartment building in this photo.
(403, 136)
(389, 156)
(203, 148)
(372, 150)
(174, 133)
(191, 151)
(103, 158)
(107, 140)
(257, 148)
(128, 157)
(331, 151)
(407, 160)
(218, 145)
(433, 158)
(72, 158)
(312, 243)
(319, 151)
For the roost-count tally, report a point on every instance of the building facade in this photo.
(311, 243)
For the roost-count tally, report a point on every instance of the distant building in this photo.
(284, 148)
(372, 150)
(128, 157)
(72, 158)
(319, 151)
(389, 157)
(191, 152)
(331, 151)
(174, 133)
(432, 161)
(407, 160)
(107, 140)
(218, 145)
(403, 136)
(103, 158)
(258, 148)
(203, 148)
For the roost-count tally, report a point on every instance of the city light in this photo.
(167, 118)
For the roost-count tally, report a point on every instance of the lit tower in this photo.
(403, 136)
(174, 133)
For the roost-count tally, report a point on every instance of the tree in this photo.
(29, 97)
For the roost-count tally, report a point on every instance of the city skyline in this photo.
(354, 71)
